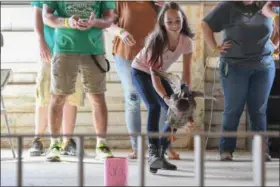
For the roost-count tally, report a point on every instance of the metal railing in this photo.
(199, 149)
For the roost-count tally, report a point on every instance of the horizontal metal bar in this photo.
(16, 30)
(209, 134)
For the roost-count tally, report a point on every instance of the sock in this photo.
(65, 140)
(54, 140)
(100, 140)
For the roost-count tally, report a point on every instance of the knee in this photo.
(233, 109)
(97, 100)
(132, 100)
(260, 109)
(58, 100)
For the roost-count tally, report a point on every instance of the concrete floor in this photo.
(38, 172)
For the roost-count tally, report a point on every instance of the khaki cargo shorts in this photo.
(65, 68)
(43, 86)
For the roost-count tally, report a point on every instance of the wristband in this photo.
(121, 31)
(274, 16)
(66, 24)
(214, 51)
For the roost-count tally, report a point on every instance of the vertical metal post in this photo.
(81, 163)
(141, 161)
(258, 160)
(4, 112)
(199, 159)
(19, 162)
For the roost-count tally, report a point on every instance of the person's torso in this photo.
(89, 41)
(249, 33)
(137, 18)
(168, 57)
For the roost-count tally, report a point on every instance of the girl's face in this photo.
(173, 21)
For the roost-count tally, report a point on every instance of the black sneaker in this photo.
(69, 148)
(36, 147)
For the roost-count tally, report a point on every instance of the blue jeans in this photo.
(153, 102)
(132, 99)
(244, 85)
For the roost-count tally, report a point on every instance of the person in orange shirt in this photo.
(135, 21)
(272, 9)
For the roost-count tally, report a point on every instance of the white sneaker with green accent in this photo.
(103, 151)
(54, 152)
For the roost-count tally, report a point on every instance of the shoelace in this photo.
(56, 146)
(105, 149)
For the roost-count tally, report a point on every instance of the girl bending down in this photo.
(169, 40)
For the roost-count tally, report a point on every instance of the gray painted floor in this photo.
(38, 172)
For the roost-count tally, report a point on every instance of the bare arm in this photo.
(50, 19)
(187, 68)
(158, 85)
(268, 11)
(211, 41)
(39, 25)
(276, 22)
(106, 22)
(208, 36)
(114, 30)
(275, 38)
(39, 31)
(117, 31)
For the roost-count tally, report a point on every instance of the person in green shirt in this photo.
(79, 46)
(45, 37)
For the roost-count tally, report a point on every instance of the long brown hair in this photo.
(158, 39)
(155, 7)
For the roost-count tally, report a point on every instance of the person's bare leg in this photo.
(55, 122)
(41, 120)
(55, 115)
(99, 113)
(69, 120)
(100, 120)
(69, 146)
(41, 123)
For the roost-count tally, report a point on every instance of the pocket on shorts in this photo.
(43, 85)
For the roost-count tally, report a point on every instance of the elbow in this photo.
(45, 18)
(204, 26)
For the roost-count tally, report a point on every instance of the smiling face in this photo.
(173, 21)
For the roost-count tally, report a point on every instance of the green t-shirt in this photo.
(48, 31)
(75, 41)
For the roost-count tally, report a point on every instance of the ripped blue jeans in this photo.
(132, 100)
(244, 85)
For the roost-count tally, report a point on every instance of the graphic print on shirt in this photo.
(81, 9)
